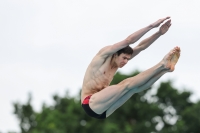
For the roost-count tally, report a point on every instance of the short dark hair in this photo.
(126, 50)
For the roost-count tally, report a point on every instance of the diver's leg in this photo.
(128, 95)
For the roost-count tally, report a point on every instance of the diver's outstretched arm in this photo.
(111, 49)
(148, 41)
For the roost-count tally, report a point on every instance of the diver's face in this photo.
(122, 59)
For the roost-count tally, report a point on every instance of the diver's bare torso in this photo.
(98, 76)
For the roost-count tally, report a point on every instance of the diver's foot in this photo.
(175, 58)
(170, 60)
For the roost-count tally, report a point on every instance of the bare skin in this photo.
(104, 65)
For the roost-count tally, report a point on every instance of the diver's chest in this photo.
(108, 72)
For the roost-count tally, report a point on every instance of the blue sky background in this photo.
(46, 45)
